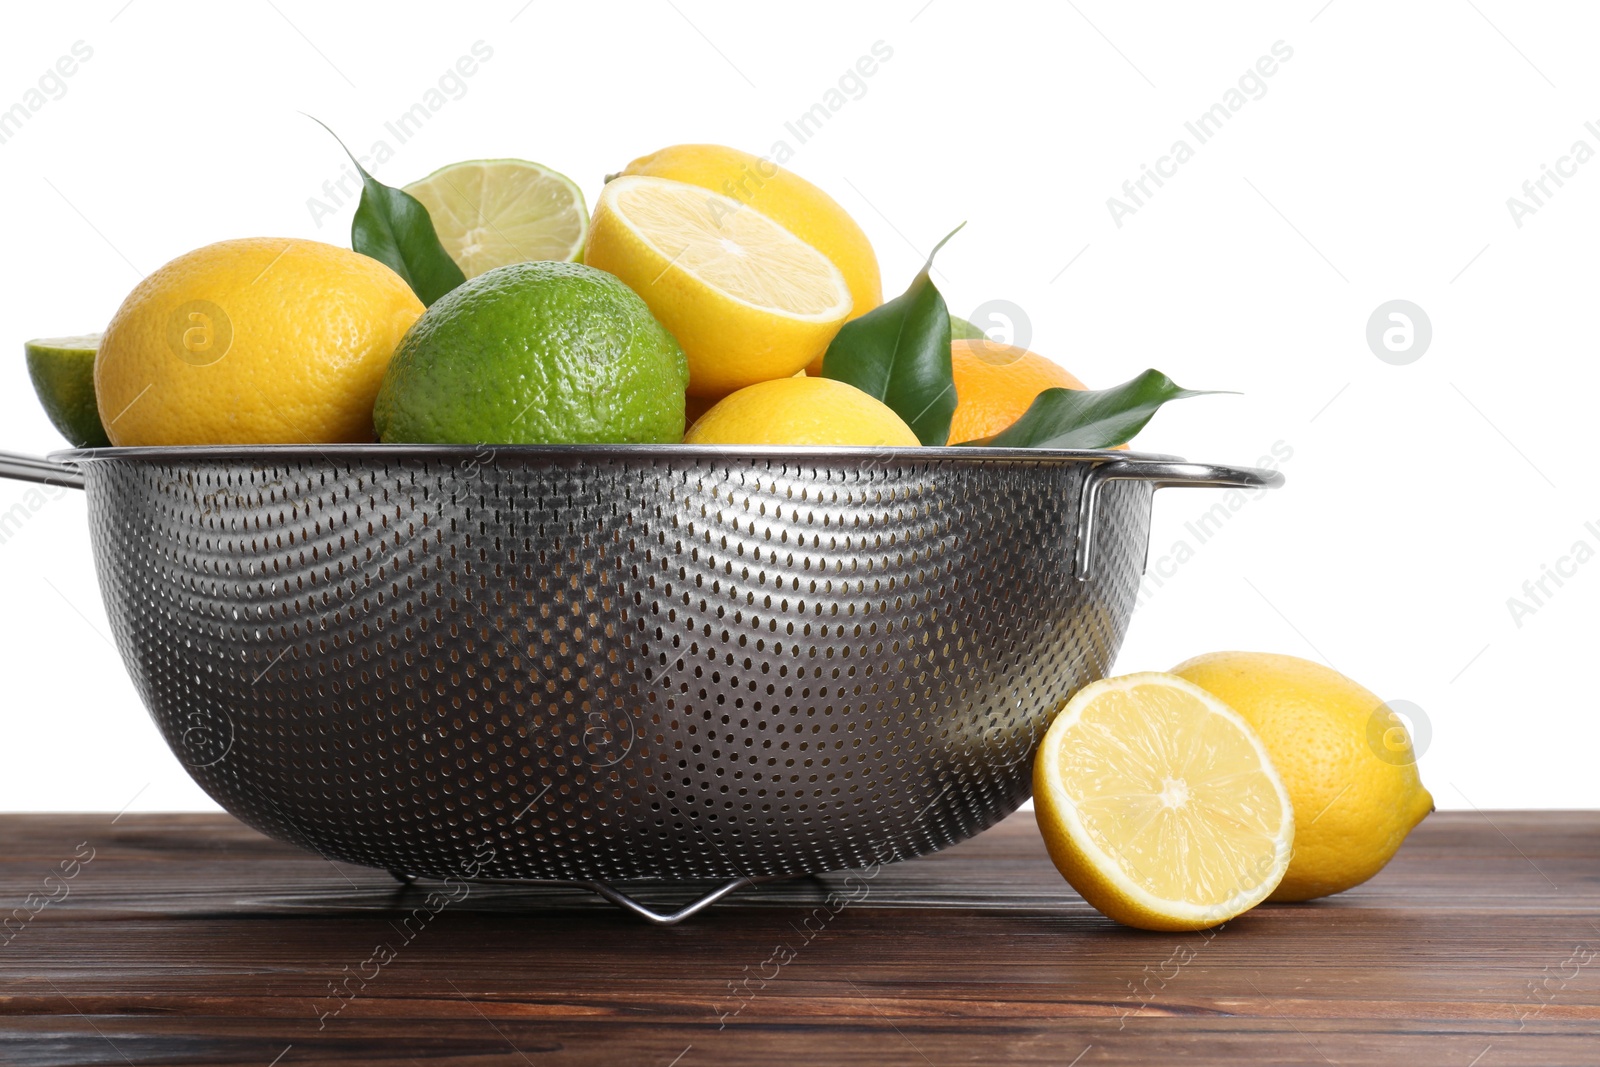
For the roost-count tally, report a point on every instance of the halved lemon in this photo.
(748, 300)
(1160, 805)
(492, 212)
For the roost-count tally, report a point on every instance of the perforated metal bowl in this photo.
(598, 664)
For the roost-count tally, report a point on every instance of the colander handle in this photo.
(38, 469)
(1161, 473)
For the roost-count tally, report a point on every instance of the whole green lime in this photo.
(535, 353)
(62, 369)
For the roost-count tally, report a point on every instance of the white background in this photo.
(1376, 166)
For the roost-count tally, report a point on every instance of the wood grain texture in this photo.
(192, 940)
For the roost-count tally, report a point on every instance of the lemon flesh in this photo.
(801, 411)
(748, 300)
(62, 371)
(1160, 805)
(492, 212)
(783, 196)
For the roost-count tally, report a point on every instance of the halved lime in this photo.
(62, 369)
(491, 212)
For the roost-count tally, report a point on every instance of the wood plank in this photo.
(188, 939)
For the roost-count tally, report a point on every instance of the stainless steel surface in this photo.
(590, 664)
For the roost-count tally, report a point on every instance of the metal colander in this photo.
(599, 664)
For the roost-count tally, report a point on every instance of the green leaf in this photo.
(1090, 418)
(899, 352)
(394, 228)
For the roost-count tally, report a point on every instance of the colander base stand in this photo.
(621, 899)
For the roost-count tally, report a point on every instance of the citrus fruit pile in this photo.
(712, 298)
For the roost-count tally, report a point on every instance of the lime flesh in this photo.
(489, 213)
(62, 369)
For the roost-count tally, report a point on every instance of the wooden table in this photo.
(188, 939)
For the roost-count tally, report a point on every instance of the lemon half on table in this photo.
(1160, 805)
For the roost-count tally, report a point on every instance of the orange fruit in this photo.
(995, 383)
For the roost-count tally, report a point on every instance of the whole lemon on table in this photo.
(786, 198)
(1354, 801)
(255, 341)
(800, 411)
(535, 353)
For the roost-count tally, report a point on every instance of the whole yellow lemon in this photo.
(800, 411)
(255, 341)
(1356, 792)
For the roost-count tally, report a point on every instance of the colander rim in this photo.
(489, 453)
